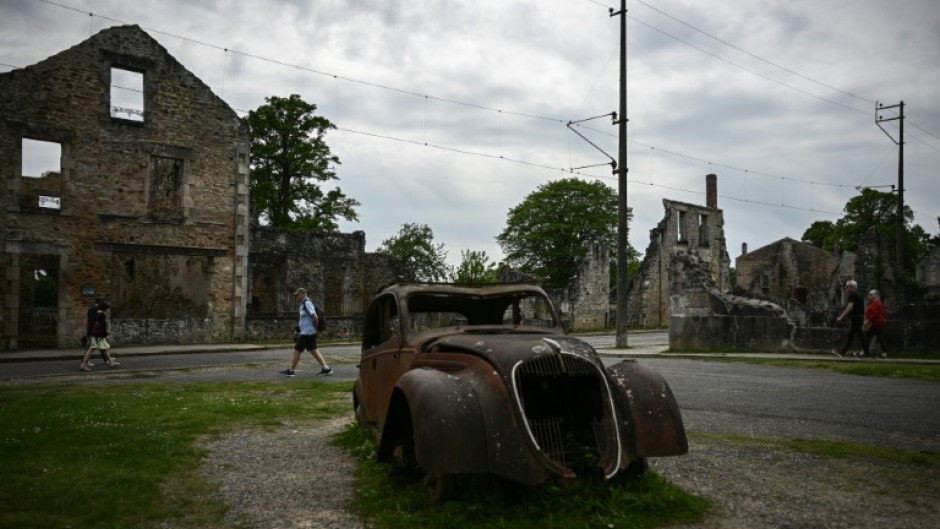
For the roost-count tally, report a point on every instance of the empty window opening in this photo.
(166, 179)
(703, 230)
(680, 220)
(41, 185)
(127, 94)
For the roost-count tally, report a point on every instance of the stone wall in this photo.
(928, 273)
(685, 230)
(151, 208)
(788, 270)
(583, 305)
(585, 300)
(704, 317)
(334, 268)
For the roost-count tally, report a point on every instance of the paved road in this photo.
(715, 397)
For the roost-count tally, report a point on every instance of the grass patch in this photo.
(833, 449)
(928, 372)
(128, 456)
(393, 499)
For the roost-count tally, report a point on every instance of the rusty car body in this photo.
(483, 379)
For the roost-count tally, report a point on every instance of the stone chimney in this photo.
(711, 191)
(743, 248)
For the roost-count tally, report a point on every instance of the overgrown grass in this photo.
(127, 456)
(870, 368)
(833, 449)
(393, 499)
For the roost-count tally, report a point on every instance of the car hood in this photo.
(504, 350)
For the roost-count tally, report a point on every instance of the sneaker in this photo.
(84, 368)
(114, 364)
(325, 372)
(287, 372)
(837, 353)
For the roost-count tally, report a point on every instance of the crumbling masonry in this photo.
(146, 203)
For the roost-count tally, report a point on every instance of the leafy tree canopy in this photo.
(870, 210)
(550, 231)
(414, 246)
(475, 267)
(290, 163)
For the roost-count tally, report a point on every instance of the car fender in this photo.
(655, 420)
(462, 422)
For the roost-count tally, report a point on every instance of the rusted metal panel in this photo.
(654, 413)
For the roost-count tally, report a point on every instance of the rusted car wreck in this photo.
(462, 380)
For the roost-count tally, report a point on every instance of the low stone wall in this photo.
(150, 331)
(817, 339)
(279, 328)
(728, 332)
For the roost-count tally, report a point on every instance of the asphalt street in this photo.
(715, 397)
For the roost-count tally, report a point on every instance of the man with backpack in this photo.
(305, 335)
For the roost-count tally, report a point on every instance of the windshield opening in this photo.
(436, 310)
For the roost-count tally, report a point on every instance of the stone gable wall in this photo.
(679, 233)
(108, 239)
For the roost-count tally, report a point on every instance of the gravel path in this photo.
(294, 478)
(291, 478)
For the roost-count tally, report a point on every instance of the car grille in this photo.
(565, 403)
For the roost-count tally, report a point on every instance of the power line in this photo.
(568, 171)
(758, 57)
(480, 107)
(726, 43)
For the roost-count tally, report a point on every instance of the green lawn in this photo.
(103, 457)
(124, 456)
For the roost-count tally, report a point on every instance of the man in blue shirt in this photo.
(305, 335)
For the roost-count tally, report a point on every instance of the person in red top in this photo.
(875, 313)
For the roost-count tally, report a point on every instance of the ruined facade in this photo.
(146, 202)
(686, 229)
(806, 279)
(928, 273)
(334, 268)
(706, 317)
(584, 303)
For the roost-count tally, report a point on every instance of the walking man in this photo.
(305, 335)
(855, 311)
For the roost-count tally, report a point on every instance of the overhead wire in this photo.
(484, 107)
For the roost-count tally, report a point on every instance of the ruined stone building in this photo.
(686, 229)
(143, 198)
(806, 279)
(583, 304)
(928, 272)
(334, 268)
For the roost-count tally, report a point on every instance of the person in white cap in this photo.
(855, 311)
(305, 335)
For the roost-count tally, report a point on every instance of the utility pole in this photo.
(900, 143)
(621, 171)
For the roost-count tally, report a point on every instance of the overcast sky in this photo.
(450, 112)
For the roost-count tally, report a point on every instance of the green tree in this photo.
(872, 210)
(550, 231)
(821, 234)
(290, 163)
(421, 258)
(475, 267)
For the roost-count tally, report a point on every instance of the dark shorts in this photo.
(306, 342)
